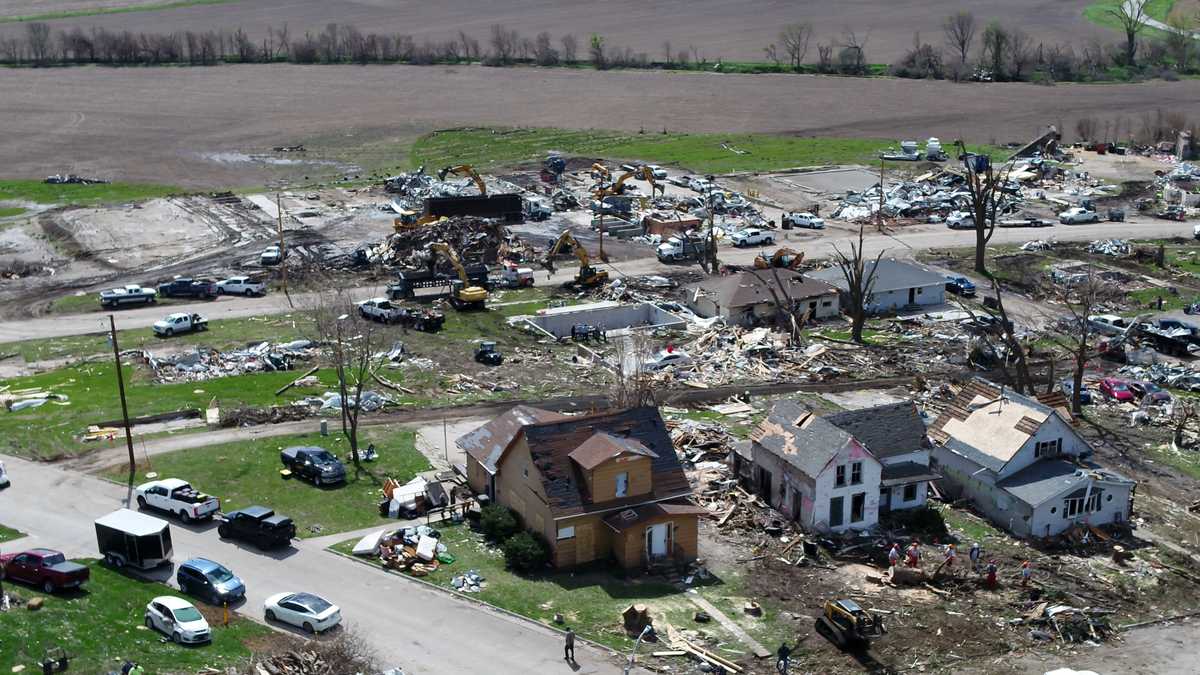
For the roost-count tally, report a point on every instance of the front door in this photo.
(912, 296)
(656, 540)
(885, 499)
(836, 511)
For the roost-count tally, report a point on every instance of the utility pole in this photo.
(282, 250)
(112, 334)
(879, 214)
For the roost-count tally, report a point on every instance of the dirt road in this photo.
(716, 29)
(180, 125)
(900, 245)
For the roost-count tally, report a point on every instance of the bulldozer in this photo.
(847, 625)
(588, 276)
(784, 258)
(463, 293)
(467, 170)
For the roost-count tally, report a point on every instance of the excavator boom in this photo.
(469, 171)
(466, 295)
(588, 275)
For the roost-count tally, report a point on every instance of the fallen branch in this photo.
(291, 384)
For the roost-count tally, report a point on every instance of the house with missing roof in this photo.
(837, 472)
(1022, 463)
(896, 285)
(753, 297)
(597, 487)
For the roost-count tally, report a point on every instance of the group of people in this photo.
(912, 558)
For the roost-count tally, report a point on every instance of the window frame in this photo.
(856, 473)
(839, 476)
(570, 535)
(617, 484)
(913, 488)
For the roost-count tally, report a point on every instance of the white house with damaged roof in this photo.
(1023, 464)
(895, 284)
(837, 472)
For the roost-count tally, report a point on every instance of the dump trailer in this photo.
(508, 207)
(127, 537)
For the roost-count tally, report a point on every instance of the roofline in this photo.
(626, 506)
(1073, 488)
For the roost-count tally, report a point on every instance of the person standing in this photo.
(950, 554)
(783, 658)
(894, 555)
(569, 646)
(974, 555)
(1026, 573)
(913, 555)
(991, 574)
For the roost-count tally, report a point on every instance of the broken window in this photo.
(858, 505)
(835, 511)
(840, 480)
(910, 492)
(856, 473)
(1048, 448)
(1072, 507)
(622, 484)
(566, 532)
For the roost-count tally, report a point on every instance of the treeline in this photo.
(968, 50)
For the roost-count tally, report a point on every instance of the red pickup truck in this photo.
(42, 567)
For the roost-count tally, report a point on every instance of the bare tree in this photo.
(860, 283)
(1179, 41)
(359, 347)
(37, 35)
(631, 387)
(852, 58)
(995, 48)
(544, 51)
(983, 187)
(960, 33)
(504, 44)
(1020, 52)
(794, 39)
(668, 54)
(1075, 335)
(570, 48)
(1130, 17)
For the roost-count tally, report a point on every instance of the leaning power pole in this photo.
(282, 250)
(112, 335)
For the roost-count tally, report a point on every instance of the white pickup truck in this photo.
(127, 295)
(180, 323)
(179, 497)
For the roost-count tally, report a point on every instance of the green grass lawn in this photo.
(487, 149)
(1100, 13)
(591, 600)
(221, 334)
(153, 7)
(9, 534)
(105, 193)
(1147, 298)
(10, 211)
(247, 473)
(103, 625)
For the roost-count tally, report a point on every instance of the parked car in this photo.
(1067, 387)
(186, 287)
(259, 525)
(313, 463)
(241, 286)
(179, 323)
(44, 568)
(803, 219)
(657, 171)
(1077, 215)
(1107, 324)
(127, 295)
(303, 610)
(1172, 213)
(517, 277)
(681, 180)
(178, 619)
(666, 357)
(271, 255)
(212, 581)
(751, 236)
(178, 497)
(960, 220)
(127, 537)
(1157, 394)
(380, 309)
(1116, 389)
(960, 286)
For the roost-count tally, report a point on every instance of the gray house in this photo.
(1021, 462)
(752, 297)
(896, 285)
(837, 472)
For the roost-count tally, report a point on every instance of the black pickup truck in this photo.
(257, 524)
(183, 287)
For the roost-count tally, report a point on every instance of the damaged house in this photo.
(753, 297)
(1023, 464)
(896, 285)
(597, 487)
(838, 472)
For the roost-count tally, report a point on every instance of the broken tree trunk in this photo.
(907, 576)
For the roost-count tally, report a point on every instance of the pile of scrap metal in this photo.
(1117, 248)
(72, 179)
(205, 364)
(1069, 624)
(475, 239)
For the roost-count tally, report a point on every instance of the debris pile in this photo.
(1117, 248)
(475, 239)
(72, 179)
(1069, 624)
(205, 364)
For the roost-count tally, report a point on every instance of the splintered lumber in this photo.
(291, 384)
(725, 518)
(680, 643)
(669, 652)
(391, 385)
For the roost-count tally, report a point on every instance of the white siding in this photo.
(933, 294)
(1053, 428)
(962, 477)
(1114, 507)
(898, 501)
(826, 490)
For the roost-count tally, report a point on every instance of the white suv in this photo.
(804, 219)
(241, 286)
(1078, 215)
(752, 236)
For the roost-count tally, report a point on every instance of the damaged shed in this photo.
(753, 297)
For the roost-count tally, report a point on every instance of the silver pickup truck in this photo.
(127, 295)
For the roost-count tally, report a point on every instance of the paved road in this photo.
(901, 244)
(424, 631)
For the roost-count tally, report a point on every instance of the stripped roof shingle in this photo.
(887, 430)
(989, 424)
(488, 443)
(754, 287)
(800, 437)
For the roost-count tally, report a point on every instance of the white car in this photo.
(680, 181)
(178, 619)
(804, 219)
(310, 612)
(667, 357)
(960, 220)
(752, 236)
(241, 286)
(657, 171)
(1077, 215)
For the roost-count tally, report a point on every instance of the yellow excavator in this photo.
(618, 187)
(588, 276)
(467, 170)
(463, 294)
(783, 258)
(601, 172)
(409, 221)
